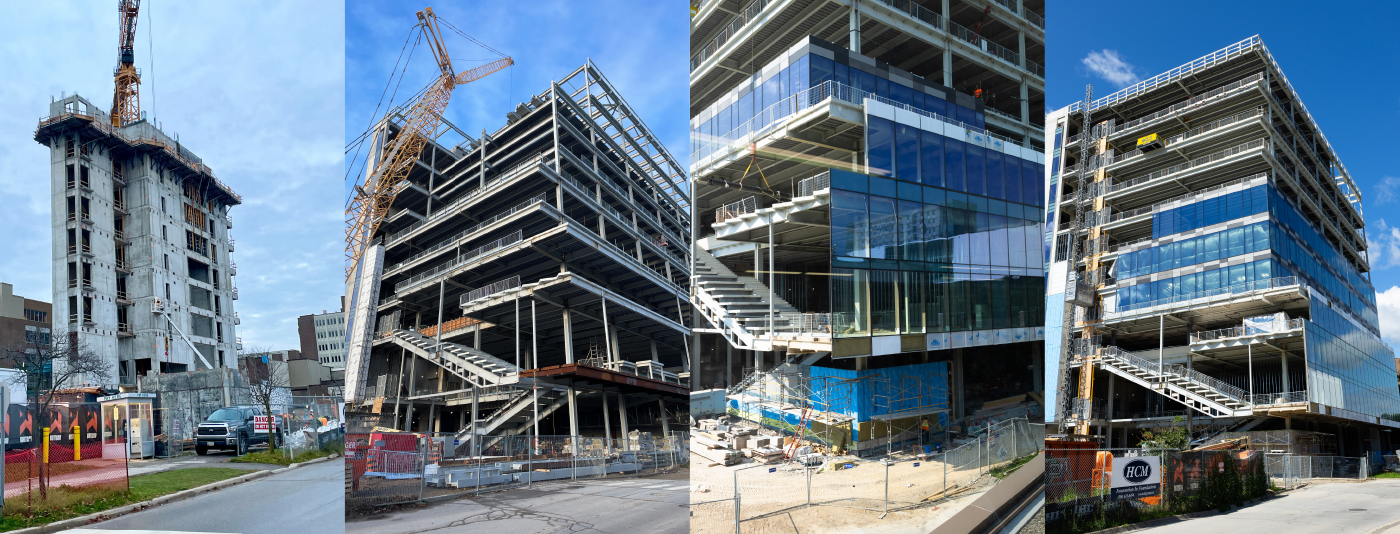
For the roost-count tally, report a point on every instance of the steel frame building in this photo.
(536, 268)
(784, 94)
(1219, 264)
(142, 255)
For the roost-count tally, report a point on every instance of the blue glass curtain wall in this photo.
(1344, 375)
(914, 155)
(909, 258)
(808, 71)
(1231, 279)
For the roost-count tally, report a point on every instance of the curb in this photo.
(173, 497)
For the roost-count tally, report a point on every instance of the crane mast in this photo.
(126, 99)
(390, 172)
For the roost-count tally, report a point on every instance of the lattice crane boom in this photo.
(371, 202)
(126, 99)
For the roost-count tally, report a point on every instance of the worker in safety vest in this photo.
(924, 430)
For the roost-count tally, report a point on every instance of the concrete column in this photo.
(432, 422)
(607, 425)
(568, 337)
(1021, 49)
(728, 364)
(1025, 104)
(654, 355)
(412, 380)
(854, 44)
(481, 180)
(622, 413)
(947, 63)
(398, 384)
(665, 425)
(1108, 406)
(1283, 356)
(616, 340)
(958, 384)
(476, 404)
(573, 417)
(607, 333)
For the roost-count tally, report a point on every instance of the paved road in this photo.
(307, 500)
(657, 504)
(1365, 507)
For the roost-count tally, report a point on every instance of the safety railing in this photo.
(1172, 75)
(490, 289)
(810, 186)
(452, 241)
(461, 202)
(773, 115)
(1258, 285)
(734, 209)
(461, 260)
(1192, 103)
(743, 19)
(1180, 371)
(1203, 160)
(1266, 399)
(803, 323)
(970, 37)
(1238, 331)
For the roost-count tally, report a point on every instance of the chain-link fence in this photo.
(1079, 497)
(899, 481)
(398, 467)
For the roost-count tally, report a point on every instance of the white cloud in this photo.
(1107, 64)
(1383, 245)
(1388, 302)
(1387, 191)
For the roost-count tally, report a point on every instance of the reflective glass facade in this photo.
(913, 258)
(1348, 367)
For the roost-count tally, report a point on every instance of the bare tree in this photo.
(48, 365)
(265, 384)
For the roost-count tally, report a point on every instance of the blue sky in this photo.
(1340, 58)
(639, 46)
(256, 89)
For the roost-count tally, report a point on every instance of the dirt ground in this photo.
(843, 500)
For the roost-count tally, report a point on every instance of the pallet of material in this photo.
(709, 441)
(764, 454)
(999, 403)
(719, 456)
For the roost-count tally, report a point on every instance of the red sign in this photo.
(261, 424)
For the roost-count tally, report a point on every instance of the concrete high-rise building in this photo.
(866, 179)
(142, 255)
(552, 252)
(1211, 249)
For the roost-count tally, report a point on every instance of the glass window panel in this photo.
(884, 305)
(850, 224)
(976, 169)
(823, 69)
(966, 116)
(996, 176)
(954, 167)
(981, 240)
(1016, 243)
(843, 75)
(1013, 179)
(1001, 306)
(850, 302)
(903, 95)
(998, 238)
(980, 293)
(911, 227)
(1236, 276)
(883, 229)
(913, 292)
(936, 244)
(1032, 191)
(1211, 247)
(961, 234)
(880, 146)
(931, 171)
(1235, 246)
(906, 152)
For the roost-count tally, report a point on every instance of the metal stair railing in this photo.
(1179, 372)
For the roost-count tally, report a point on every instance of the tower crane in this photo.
(372, 200)
(126, 101)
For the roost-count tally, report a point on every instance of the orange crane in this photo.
(126, 102)
(372, 200)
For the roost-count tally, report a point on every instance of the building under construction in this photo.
(866, 181)
(531, 279)
(142, 255)
(1210, 264)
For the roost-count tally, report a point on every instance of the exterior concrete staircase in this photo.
(737, 305)
(1202, 393)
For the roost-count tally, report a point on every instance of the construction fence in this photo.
(761, 496)
(1078, 481)
(401, 467)
(79, 449)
